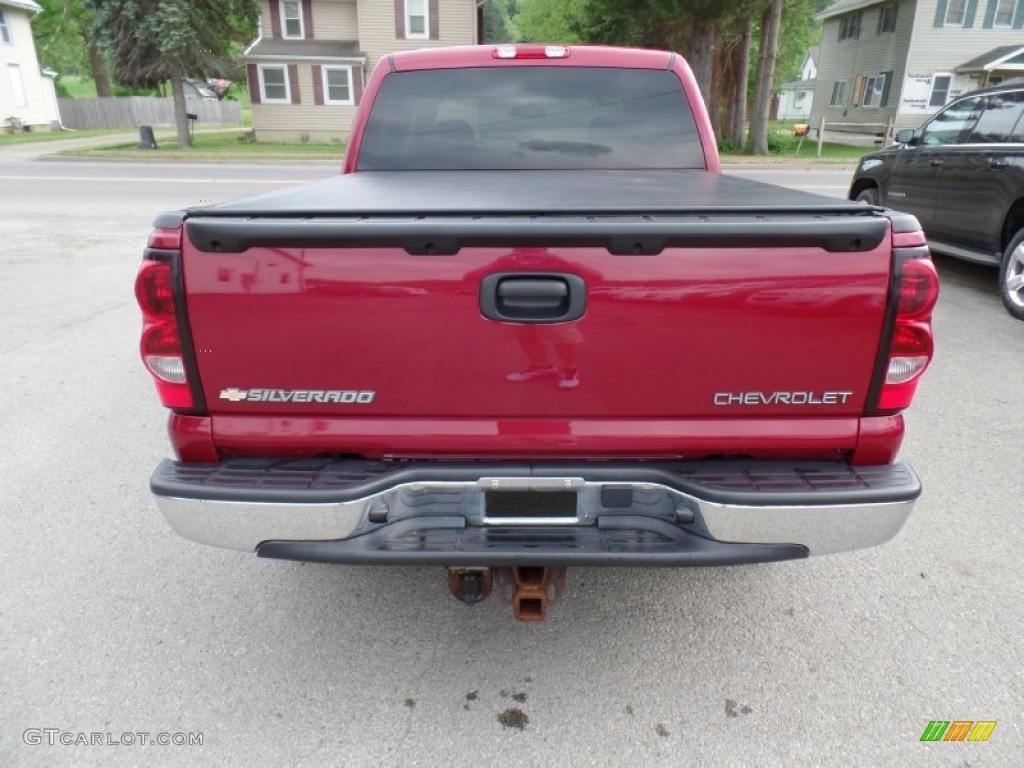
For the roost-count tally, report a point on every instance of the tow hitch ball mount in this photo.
(532, 589)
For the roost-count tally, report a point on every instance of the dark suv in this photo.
(962, 175)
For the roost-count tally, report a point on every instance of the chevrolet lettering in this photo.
(781, 398)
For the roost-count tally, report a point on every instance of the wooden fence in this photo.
(883, 137)
(133, 111)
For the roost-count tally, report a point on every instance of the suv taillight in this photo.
(910, 343)
(162, 347)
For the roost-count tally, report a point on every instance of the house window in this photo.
(956, 11)
(940, 90)
(849, 26)
(5, 31)
(1005, 10)
(874, 91)
(17, 85)
(887, 18)
(291, 19)
(338, 85)
(274, 85)
(838, 93)
(416, 25)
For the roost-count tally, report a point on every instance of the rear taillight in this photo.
(162, 347)
(915, 291)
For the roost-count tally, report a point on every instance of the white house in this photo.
(28, 98)
(796, 97)
(903, 60)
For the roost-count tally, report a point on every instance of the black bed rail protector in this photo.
(633, 235)
(622, 542)
(760, 483)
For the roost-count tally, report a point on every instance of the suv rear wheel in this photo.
(867, 195)
(1011, 276)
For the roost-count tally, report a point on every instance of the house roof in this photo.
(1003, 57)
(304, 49)
(845, 6)
(28, 5)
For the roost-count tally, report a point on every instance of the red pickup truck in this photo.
(531, 326)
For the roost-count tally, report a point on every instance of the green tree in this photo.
(548, 21)
(800, 31)
(498, 27)
(150, 41)
(66, 39)
(767, 55)
(699, 29)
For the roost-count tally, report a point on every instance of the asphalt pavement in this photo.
(110, 624)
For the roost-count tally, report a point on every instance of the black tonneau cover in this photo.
(438, 212)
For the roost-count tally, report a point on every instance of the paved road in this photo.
(111, 623)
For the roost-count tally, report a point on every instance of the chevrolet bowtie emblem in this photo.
(234, 395)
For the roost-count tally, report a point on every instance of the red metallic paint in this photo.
(192, 438)
(879, 440)
(634, 385)
(409, 328)
(661, 334)
(528, 438)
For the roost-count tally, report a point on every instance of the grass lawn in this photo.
(222, 145)
(22, 137)
(785, 146)
(77, 87)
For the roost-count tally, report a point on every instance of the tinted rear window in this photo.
(530, 118)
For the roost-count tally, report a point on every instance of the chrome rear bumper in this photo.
(376, 511)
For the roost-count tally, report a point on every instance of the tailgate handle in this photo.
(546, 297)
(532, 294)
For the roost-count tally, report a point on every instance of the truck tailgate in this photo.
(687, 296)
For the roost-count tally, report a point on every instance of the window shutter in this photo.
(858, 90)
(972, 10)
(318, 85)
(357, 84)
(885, 89)
(293, 81)
(400, 19)
(990, 14)
(940, 13)
(254, 83)
(435, 19)
(275, 18)
(307, 18)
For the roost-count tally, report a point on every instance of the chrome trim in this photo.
(823, 529)
(244, 525)
(497, 522)
(530, 483)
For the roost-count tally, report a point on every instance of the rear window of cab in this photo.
(530, 118)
